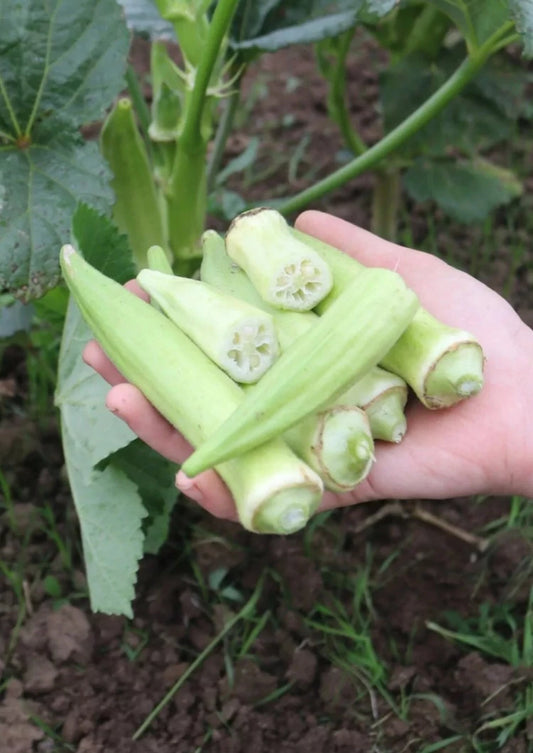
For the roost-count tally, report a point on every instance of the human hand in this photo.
(483, 445)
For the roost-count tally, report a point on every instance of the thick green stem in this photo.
(217, 30)
(386, 203)
(187, 205)
(224, 129)
(337, 97)
(187, 188)
(395, 138)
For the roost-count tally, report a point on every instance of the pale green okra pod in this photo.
(381, 394)
(287, 273)
(239, 338)
(274, 491)
(336, 442)
(443, 365)
(352, 336)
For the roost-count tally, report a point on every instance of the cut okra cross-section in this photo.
(287, 273)
(238, 337)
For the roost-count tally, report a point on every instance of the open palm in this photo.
(481, 445)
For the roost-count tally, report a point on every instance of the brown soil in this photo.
(77, 681)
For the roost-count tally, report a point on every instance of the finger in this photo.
(134, 287)
(210, 492)
(207, 489)
(95, 357)
(129, 404)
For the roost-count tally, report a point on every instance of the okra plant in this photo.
(154, 171)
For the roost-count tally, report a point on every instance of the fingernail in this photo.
(189, 487)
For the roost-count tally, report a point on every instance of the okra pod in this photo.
(286, 272)
(351, 337)
(443, 365)
(381, 394)
(157, 260)
(238, 337)
(274, 491)
(136, 210)
(337, 443)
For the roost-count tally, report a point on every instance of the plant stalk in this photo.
(337, 107)
(187, 188)
(224, 129)
(386, 203)
(395, 138)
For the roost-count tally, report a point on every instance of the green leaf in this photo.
(61, 64)
(467, 191)
(144, 18)
(112, 539)
(108, 505)
(15, 317)
(59, 60)
(300, 24)
(485, 113)
(522, 13)
(380, 8)
(42, 186)
(476, 19)
(413, 28)
(81, 392)
(103, 246)
(154, 478)
(241, 162)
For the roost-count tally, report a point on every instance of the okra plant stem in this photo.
(335, 73)
(395, 138)
(187, 187)
(224, 127)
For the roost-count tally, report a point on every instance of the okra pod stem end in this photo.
(346, 448)
(386, 414)
(457, 375)
(286, 512)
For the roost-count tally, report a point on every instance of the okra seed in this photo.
(297, 281)
(251, 345)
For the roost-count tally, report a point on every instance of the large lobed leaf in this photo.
(522, 13)
(144, 18)
(108, 504)
(61, 64)
(479, 19)
(467, 191)
(270, 26)
(123, 492)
